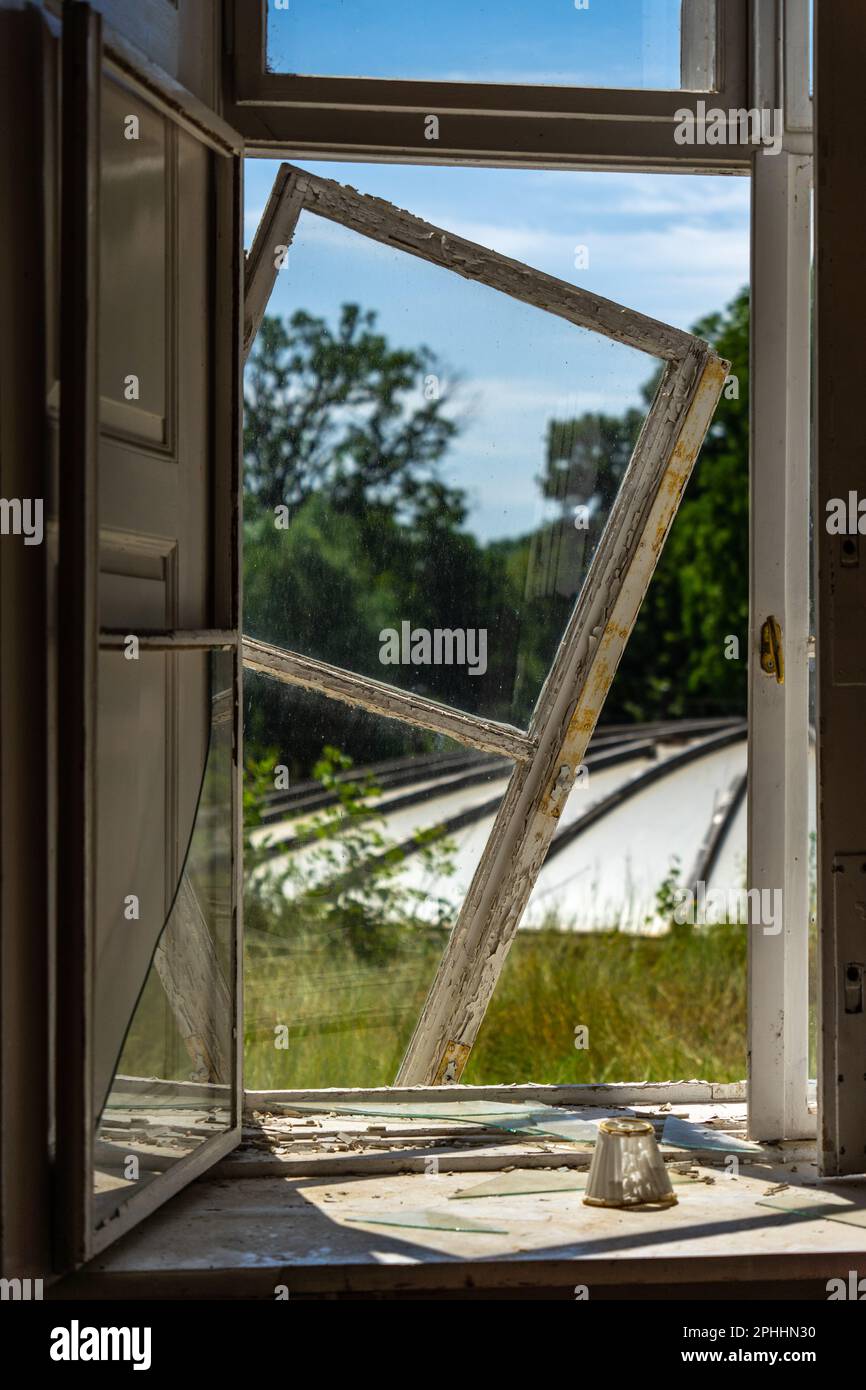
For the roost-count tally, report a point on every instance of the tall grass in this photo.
(347, 1018)
(656, 1009)
(340, 957)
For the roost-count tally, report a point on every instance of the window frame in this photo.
(759, 62)
(779, 1093)
(630, 142)
(497, 122)
(581, 674)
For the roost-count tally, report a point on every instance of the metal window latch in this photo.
(854, 987)
(772, 657)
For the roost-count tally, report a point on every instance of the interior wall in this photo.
(24, 862)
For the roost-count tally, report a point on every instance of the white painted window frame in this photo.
(710, 61)
(548, 755)
(778, 805)
(362, 117)
(778, 786)
(767, 39)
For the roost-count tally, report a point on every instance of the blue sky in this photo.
(610, 43)
(674, 246)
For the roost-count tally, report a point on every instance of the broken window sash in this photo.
(379, 698)
(295, 189)
(564, 721)
(455, 488)
(505, 695)
(583, 668)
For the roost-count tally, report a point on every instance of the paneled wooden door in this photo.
(155, 953)
(155, 559)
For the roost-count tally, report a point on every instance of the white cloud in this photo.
(645, 194)
(504, 396)
(677, 245)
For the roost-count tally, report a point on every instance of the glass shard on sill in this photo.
(680, 1133)
(430, 1221)
(487, 1112)
(526, 1182)
(819, 1206)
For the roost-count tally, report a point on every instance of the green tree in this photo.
(675, 662)
(328, 412)
(340, 432)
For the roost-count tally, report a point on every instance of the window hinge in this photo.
(772, 658)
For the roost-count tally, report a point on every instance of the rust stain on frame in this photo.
(451, 1063)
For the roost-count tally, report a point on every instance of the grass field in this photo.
(655, 1008)
(337, 969)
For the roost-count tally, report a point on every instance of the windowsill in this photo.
(278, 1215)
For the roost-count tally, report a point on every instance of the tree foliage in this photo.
(675, 663)
(327, 412)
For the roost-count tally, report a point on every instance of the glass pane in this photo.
(429, 467)
(362, 836)
(431, 1221)
(551, 43)
(164, 979)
